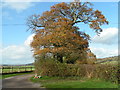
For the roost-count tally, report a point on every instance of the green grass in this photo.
(16, 69)
(80, 84)
(11, 75)
(73, 82)
(111, 62)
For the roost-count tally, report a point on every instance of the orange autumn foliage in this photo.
(57, 33)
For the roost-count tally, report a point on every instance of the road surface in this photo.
(21, 81)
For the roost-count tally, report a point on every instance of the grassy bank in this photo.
(73, 82)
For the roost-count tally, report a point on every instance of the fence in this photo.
(15, 69)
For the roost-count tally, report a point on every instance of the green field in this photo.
(73, 82)
(9, 69)
(111, 62)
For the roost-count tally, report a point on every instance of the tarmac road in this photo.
(21, 81)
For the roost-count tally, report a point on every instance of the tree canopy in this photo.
(57, 35)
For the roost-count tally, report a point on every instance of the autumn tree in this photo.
(57, 35)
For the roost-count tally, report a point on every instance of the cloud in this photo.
(29, 40)
(103, 52)
(16, 54)
(108, 36)
(39, 0)
(17, 5)
(64, 0)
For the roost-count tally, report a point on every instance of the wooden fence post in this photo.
(25, 68)
(2, 69)
(11, 69)
(19, 69)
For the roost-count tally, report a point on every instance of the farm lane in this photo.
(21, 81)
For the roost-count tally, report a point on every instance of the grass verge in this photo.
(73, 82)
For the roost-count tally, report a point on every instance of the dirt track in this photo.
(21, 81)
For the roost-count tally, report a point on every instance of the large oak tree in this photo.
(56, 32)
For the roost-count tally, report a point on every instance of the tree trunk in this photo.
(60, 58)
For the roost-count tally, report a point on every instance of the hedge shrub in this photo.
(50, 67)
